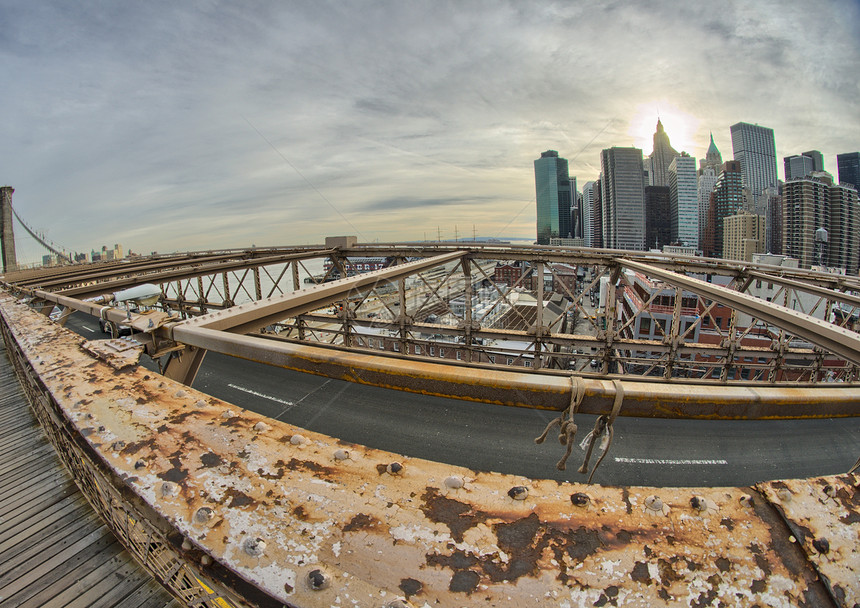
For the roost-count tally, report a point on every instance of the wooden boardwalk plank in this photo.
(69, 492)
(67, 573)
(54, 549)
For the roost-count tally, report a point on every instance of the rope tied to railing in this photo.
(567, 427)
(602, 424)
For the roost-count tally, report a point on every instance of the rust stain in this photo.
(361, 521)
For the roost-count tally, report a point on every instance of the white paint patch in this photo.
(92, 331)
(256, 394)
(670, 462)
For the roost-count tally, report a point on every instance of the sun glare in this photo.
(680, 127)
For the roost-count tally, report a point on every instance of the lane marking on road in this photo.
(292, 405)
(663, 461)
(256, 394)
(92, 331)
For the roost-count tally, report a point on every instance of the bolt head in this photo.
(579, 499)
(318, 579)
(518, 492)
(254, 546)
(341, 454)
(394, 468)
(203, 515)
(454, 482)
(822, 545)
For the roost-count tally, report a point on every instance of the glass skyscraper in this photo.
(554, 197)
(755, 149)
(848, 166)
(684, 200)
(623, 198)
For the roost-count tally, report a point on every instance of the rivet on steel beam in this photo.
(400, 602)
(298, 439)
(261, 427)
(822, 545)
(186, 544)
(341, 454)
(228, 414)
(784, 494)
(698, 503)
(454, 482)
(394, 468)
(200, 403)
(655, 506)
(580, 499)
(180, 393)
(318, 579)
(116, 446)
(518, 492)
(254, 546)
(830, 491)
(90, 416)
(101, 429)
(746, 500)
(205, 560)
(140, 464)
(203, 515)
(168, 488)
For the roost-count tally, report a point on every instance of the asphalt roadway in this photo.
(644, 451)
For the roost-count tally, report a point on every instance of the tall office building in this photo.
(597, 214)
(726, 199)
(553, 196)
(773, 223)
(817, 159)
(658, 228)
(712, 159)
(661, 156)
(848, 166)
(587, 212)
(707, 181)
(684, 200)
(797, 166)
(623, 198)
(755, 149)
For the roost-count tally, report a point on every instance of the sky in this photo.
(194, 125)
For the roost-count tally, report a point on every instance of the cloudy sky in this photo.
(176, 126)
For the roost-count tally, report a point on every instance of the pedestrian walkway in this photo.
(54, 550)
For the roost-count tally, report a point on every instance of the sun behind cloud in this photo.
(679, 125)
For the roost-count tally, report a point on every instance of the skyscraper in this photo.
(684, 200)
(848, 166)
(755, 149)
(553, 196)
(797, 166)
(707, 181)
(623, 198)
(661, 156)
(587, 212)
(712, 159)
(726, 199)
(658, 229)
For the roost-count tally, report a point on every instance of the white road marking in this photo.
(663, 461)
(256, 394)
(88, 329)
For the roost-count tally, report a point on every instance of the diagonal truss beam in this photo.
(250, 317)
(831, 337)
(822, 292)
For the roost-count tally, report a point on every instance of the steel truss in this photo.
(441, 319)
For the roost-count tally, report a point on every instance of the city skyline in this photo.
(180, 127)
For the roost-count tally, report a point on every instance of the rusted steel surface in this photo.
(524, 389)
(312, 521)
(823, 516)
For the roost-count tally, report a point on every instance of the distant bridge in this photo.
(359, 524)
